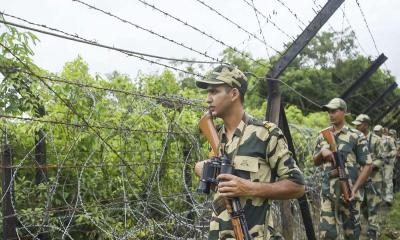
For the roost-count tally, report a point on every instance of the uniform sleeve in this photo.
(280, 158)
(398, 146)
(376, 155)
(320, 144)
(393, 150)
(362, 153)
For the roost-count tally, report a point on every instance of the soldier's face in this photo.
(362, 127)
(219, 100)
(336, 116)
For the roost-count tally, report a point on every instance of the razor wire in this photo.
(92, 190)
(113, 180)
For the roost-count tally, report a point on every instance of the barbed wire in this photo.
(269, 20)
(176, 101)
(319, 8)
(293, 13)
(126, 52)
(109, 208)
(296, 92)
(153, 209)
(288, 86)
(147, 30)
(366, 24)
(84, 125)
(66, 102)
(81, 166)
(260, 28)
(370, 33)
(185, 23)
(235, 24)
(355, 34)
(117, 90)
(102, 203)
(348, 23)
(86, 205)
(80, 151)
(96, 43)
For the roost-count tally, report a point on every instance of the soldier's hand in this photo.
(232, 186)
(198, 168)
(327, 155)
(353, 194)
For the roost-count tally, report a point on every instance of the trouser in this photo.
(333, 213)
(396, 176)
(388, 186)
(370, 204)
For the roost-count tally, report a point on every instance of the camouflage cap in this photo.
(362, 118)
(392, 132)
(225, 74)
(335, 103)
(378, 128)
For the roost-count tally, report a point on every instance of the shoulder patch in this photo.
(268, 125)
(357, 132)
(256, 122)
(354, 130)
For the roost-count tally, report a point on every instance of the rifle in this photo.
(340, 167)
(212, 169)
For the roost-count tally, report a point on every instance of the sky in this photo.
(291, 17)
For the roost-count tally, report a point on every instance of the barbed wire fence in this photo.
(150, 194)
(88, 187)
(126, 171)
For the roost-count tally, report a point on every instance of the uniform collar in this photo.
(345, 129)
(239, 128)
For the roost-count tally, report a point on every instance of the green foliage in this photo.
(17, 88)
(390, 221)
(133, 148)
(328, 48)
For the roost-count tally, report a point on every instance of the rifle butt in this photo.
(241, 232)
(237, 229)
(206, 126)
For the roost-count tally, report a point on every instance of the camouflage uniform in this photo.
(353, 144)
(374, 185)
(396, 171)
(262, 154)
(389, 155)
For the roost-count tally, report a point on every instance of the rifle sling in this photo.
(221, 146)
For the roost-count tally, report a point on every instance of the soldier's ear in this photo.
(235, 94)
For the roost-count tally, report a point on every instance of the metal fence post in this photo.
(9, 218)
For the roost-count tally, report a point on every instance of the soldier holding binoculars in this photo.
(258, 152)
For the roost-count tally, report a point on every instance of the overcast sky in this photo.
(73, 17)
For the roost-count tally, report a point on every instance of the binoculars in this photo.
(211, 170)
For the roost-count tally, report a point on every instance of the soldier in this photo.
(353, 145)
(259, 154)
(373, 187)
(393, 135)
(396, 170)
(389, 156)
